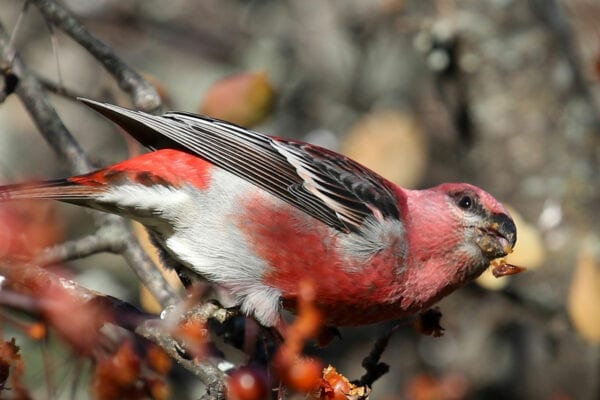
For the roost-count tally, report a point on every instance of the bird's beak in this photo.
(497, 236)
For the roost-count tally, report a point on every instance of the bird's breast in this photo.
(297, 247)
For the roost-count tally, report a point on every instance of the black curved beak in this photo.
(506, 228)
(498, 236)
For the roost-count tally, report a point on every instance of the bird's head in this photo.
(464, 227)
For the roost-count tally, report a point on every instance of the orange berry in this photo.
(37, 331)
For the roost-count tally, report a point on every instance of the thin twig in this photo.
(32, 94)
(23, 284)
(143, 93)
(79, 248)
(374, 369)
(38, 105)
(160, 332)
(17, 27)
(26, 281)
(113, 237)
(59, 88)
(55, 49)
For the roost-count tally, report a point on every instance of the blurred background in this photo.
(499, 93)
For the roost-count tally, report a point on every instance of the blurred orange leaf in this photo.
(246, 99)
(299, 372)
(158, 360)
(584, 294)
(428, 387)
(28, 227)
(13, 367)
(391, 143)
(194, 335)
(115, 377)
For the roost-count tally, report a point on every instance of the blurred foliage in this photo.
(245, 99)
(500, 93)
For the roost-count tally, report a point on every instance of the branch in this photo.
(39, 291)
(59, 89)
(79, 248)
(374, 369)
(206, 369)
(113, 234)
(38, 105)
(426, 323)
(143, 93)
(33, 96)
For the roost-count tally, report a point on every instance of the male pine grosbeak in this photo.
(257, 214)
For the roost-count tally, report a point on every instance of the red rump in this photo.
(163, 167)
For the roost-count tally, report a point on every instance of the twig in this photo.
(146, 270)
(59, 89)
(31, 93)
(374, 368)
(143, 93)
(114, 234)
(21, 291)
(26, 280)
(206, 369)
(17, 27)
(79, 248)
(38, 105)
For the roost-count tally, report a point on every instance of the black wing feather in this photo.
(324, 184)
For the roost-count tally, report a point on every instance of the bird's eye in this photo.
(465, 202)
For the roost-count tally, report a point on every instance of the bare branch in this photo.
(143, 93)
(374, 368)
(59, 89)
(38, 105)
(32, 94)
(29, 278)
(25, 288)
(79, 248)
(206, 369)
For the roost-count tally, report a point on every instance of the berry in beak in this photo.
(497, 237)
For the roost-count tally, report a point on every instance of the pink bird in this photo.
(257, 214)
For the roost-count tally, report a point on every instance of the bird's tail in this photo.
(58, 189)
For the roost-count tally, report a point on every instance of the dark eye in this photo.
(465, 202)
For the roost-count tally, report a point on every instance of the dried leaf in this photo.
(391, 143)
(336, 386)
(12, 366)
(584, 294)
(246, 99)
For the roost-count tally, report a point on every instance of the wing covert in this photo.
(326, 185)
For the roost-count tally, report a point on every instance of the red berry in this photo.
(248, 383)
(304, 375)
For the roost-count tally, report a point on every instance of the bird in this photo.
(256, 215)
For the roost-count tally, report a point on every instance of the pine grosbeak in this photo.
(257, 214)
